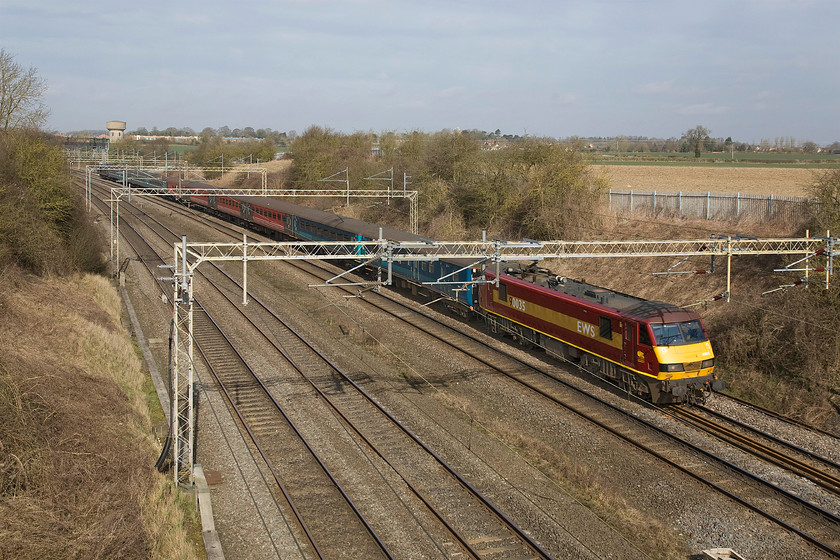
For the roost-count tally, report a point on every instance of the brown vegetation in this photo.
(43, 225)
(77, 477)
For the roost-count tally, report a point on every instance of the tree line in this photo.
(540, 188)
(534, 187)
(685, 143)
(279, 138)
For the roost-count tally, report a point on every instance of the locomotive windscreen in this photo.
(674, 334)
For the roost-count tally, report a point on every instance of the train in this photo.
(657, 351)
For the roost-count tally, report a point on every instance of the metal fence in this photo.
(710, 206)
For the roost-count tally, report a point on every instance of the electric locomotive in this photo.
(655, 350)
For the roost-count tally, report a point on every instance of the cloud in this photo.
(565, 98)
(656, 88)
(451, 92)
(703, 109)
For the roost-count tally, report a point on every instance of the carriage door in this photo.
(628, 349)
(247, 211)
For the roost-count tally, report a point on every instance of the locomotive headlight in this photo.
(708, 363)
(671, 367)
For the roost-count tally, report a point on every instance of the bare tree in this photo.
(20, 95)
(696, 138)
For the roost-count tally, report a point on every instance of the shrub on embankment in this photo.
(44, 227)
(535, 188)
(782, 350)
(77, 477)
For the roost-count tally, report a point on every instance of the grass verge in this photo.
(77, 477)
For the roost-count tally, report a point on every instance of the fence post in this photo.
(631, 200)
(610, 198)
(737, 205)
(708, 202)
(679, 203)
(654, 203)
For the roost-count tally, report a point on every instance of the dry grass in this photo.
(77, 456)
(276, 171)
(747, 180)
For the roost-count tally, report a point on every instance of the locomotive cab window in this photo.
(673, 334)
(605, 327)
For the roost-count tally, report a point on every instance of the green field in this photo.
(736, 159)
(182, 148)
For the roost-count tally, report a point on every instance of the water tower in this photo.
(115, 130)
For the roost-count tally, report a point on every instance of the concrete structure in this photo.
(115, 130)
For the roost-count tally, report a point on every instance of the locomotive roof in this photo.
(648, 310)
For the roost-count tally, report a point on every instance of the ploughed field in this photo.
(748, 180)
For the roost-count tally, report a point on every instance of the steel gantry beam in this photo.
(499, 250)
(188, 256)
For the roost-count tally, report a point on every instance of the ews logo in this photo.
(586, 328)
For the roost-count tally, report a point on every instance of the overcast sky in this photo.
(746, 69)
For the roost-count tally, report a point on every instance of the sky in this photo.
(746, 69)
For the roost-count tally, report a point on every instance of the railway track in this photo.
(819, 527)
(276, 438)
(444, 491)
(804, 463)
(305, 484)
(780, 417)
(810, 517)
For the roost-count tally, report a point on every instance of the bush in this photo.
(43, 227)
(826, 190)
(784, 353)
(532, 188)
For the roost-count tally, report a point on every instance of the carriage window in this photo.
(502, 291)
(605, 324)
(644, 335)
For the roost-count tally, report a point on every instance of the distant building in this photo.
(116, 129)
(170, 139)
